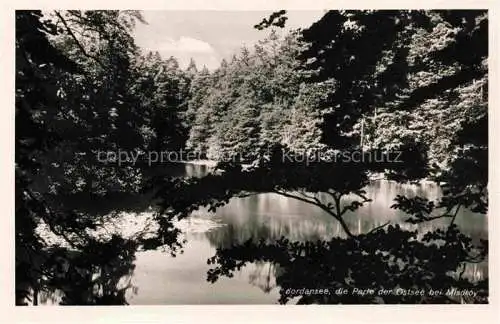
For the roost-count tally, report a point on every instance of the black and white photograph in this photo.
(251, 157)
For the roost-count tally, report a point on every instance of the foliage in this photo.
(78, 93)
(366, 61)
(277, 19)
(379, 81)
(253, 102)
(407, 76)
(392, 260)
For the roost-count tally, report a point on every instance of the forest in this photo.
(411, 83)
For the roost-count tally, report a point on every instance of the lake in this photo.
(162, 279)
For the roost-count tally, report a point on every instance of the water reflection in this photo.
(99, 274)
(154, 277)
(268, 217)
(391, 262)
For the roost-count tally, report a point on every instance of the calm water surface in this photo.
(162, 279)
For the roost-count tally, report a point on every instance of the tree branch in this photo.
(378, 227)
(77, 42)
(455, 215)
(295, 197)
(318, 203)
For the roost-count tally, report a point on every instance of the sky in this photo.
(208, 36)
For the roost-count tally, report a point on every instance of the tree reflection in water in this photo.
(99, 274)
(263, 276)
(381, 260)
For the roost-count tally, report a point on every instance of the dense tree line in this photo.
(405, 75)
(255, 100)
(121, 100)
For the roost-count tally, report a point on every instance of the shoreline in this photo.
(372, 176)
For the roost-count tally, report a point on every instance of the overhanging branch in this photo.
(77, 42)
